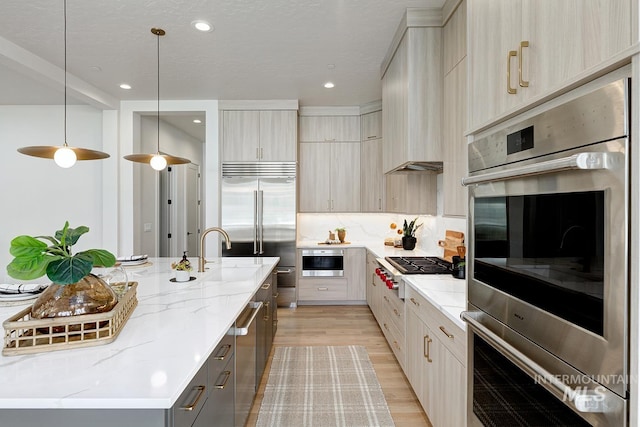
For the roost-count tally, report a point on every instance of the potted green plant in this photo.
(74, 290)
(183, 269)
(409, 234)
(342, 233)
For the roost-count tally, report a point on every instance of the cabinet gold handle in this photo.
(386, 298)
(444, 331)
(385, 326)
(426, 348)
(261, 153)
(257, 153)
(224, 383)
(224, 350)
(265, 286)
(323, 289)
(414, 301)
(522, 82)
(396, 344)
(510, 90)
(193, 404)
(266, 316)
(396, 312)
(372, 136)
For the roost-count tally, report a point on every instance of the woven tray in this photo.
(24, 335)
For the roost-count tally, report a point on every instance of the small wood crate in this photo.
(24, 335)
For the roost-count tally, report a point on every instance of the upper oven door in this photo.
(548, 254)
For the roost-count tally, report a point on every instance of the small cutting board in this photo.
(452, 240)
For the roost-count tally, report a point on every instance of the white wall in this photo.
(37, 196)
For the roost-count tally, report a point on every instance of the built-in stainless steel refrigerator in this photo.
(259, 213)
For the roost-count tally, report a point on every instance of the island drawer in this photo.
(186, 409)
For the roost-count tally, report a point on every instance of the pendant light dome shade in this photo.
(158, 160)
(64, 156)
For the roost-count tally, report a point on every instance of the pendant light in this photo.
(157, 161)
(64, 156)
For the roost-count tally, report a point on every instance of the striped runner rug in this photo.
(323, 387)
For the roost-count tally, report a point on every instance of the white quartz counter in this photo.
(445, 292)
(169, 336)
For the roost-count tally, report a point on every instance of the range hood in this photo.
(419, 166)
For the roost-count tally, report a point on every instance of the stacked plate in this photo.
(132, 260)
(16, 292)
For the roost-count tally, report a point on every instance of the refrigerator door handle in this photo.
(261, 220)
(255, 222)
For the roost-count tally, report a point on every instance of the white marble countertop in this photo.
(169, 336)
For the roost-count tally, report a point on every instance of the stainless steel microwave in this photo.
(322, 262)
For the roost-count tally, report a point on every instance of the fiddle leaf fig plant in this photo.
(39, 255)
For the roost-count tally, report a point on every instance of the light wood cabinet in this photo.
(411, 192)
(329, 128)
(454, 146)
(349, 289)
(436, 361)
(329, 179)
(251, 136)
(412, 99)
(521, 50)
(372, 177)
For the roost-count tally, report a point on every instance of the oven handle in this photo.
(583, 161)
(581, 401)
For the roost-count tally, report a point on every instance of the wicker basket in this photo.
(24, 335)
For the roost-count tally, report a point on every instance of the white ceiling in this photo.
(259, 49)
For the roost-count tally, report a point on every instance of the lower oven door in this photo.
(514, 382)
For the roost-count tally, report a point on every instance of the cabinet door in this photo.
(455, 148)
(394, 109)
(278, 136)
(570, 36)
(447, 387)
(494, 29)
(344, 176)
(396, 189)
(372, 177)
(314, 178)
(329, 128)
(371, 126)
(355, 265)
(416, 333)
(240, 136)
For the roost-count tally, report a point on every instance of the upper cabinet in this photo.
(454, 141)
(412, 92)
(251, 136)
(371, 177)
(521, 50)
(329, 128)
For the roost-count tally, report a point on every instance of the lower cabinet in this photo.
(435, 362)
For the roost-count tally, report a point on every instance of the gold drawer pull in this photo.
(426, 348)
(522, 82)
(192, 406)
(396, 312)
(396, 344)
(510, 90)
(414, 301)
(386, 298)
(224, 350)
(224, 383)
(386, 326)
(323, 289)
(265, 286)
(444, 331)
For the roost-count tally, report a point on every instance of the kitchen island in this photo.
(167, 340)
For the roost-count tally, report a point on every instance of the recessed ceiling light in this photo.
(329, 85)
(202, 26)
(125, 86)
(197, 121)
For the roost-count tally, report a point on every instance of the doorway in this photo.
(180, 195)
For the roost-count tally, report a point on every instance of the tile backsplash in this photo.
(373, 227)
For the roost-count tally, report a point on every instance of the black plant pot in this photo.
(408, 243)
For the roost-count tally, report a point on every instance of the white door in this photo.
(192, 209)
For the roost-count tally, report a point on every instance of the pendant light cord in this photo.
(158, 112)
(65, 72)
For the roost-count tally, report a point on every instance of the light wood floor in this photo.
(347, 325)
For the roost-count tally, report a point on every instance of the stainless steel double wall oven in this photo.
(548, 266)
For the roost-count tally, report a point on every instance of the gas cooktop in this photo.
(420, 265)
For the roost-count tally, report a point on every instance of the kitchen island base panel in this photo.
(83, 417)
